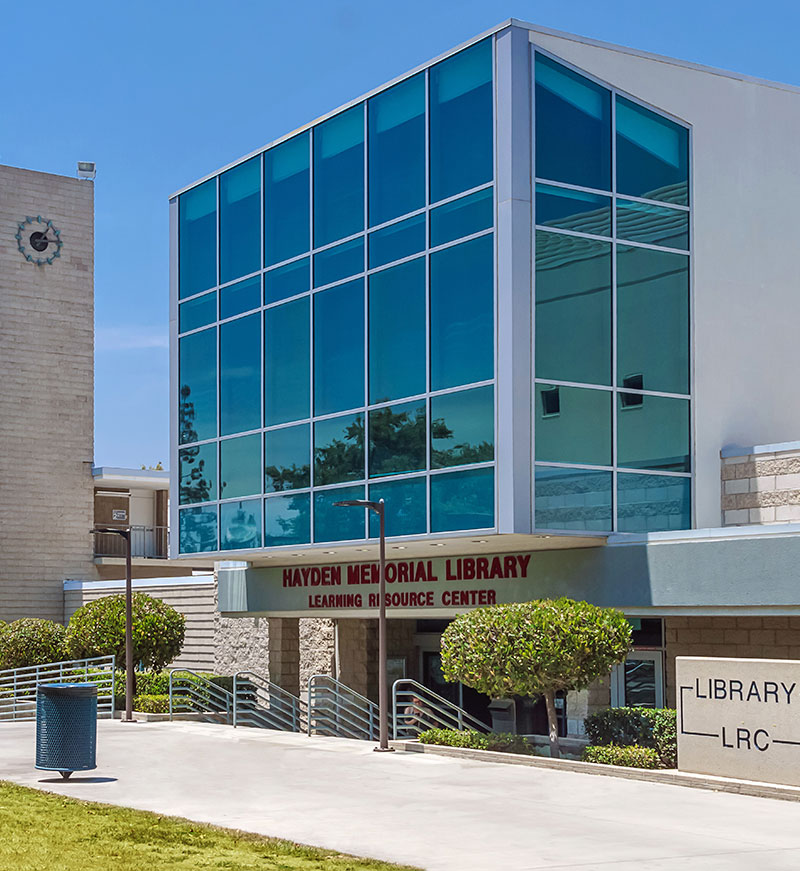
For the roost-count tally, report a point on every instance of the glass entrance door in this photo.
(639, 681)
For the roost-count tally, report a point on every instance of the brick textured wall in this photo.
(762, 487)
(46, 397)
(746, 637)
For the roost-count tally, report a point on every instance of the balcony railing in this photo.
(148, 542)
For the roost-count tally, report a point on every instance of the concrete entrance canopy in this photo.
(656, 574)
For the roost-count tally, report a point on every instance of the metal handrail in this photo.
(337, 710)
(18, 686)
(433, 711)
(259, 702)
(191, 692)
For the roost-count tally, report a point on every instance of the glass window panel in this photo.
(461, 112)
(339, 176)
(462, 500)
(336, 523)
(339, 449)
(462, 319)
(649, 503)
(653, 433)
(397, 241)
(240, 525)
(462, 217)
(198, 474)
(198, 312)
(652, 155)
(288, 520)
(573, 499)
(397, 436)
(462, 427)
(243, 296)
(573, 127)
(287, 281)
(641, 222)
(573, 210)
(396, 162)
(573, 425)
(640, 683)
(287, 461)
(339, 262)
(240, 466)
(240, 375)
(397, 332)
(197, 239)
(286, 200)
(339, 348)
(240, 220)
(198, 529)
(287, 362)
(197, 411)
(573, 308)
(653, 319)
(405, 507)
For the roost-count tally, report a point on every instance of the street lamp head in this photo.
(351, 503)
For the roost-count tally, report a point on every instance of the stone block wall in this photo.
(317, 648)
(761, 485)
(746, 637)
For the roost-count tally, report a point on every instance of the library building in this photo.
(540, 295)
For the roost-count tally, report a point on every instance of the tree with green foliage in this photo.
(30, 641)
(98, 629)
(535, 649)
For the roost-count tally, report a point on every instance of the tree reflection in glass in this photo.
(339, 449)
(462, 427)
(397, 439)
(287, 461)
(198, 472)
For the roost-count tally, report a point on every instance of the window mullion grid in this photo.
(311, 347)
(219, 367)
(614, 401)
(428, 422)
(365, 291)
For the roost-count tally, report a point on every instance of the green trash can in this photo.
(66, 727)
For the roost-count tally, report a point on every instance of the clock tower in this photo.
(46, 389)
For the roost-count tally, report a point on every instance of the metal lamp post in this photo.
(126, 534)
(383, 693)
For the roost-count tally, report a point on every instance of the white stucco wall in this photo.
(746, 275)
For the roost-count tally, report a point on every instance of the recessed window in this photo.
(551, 402)
(632, 400)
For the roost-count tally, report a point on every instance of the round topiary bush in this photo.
(98, 629)
(31, 641)
(535, 649)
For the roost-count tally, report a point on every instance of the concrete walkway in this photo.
(437, 813)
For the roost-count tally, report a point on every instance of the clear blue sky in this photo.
(161, 93)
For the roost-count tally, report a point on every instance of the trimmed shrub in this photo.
(654, 728)
(534, 649)
(98, 629)
(31, 641)
(454, 738)
(665, 735)
(500, 742)
(631, 756)
(505, 742)
(151, 703)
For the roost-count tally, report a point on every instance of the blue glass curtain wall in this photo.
(325, 351)
(612, 331)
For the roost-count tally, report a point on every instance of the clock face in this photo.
(38, 240)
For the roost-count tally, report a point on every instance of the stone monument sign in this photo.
(739, 717)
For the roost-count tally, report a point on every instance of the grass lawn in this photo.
(42, 831)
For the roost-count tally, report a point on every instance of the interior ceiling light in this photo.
(398, 547)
